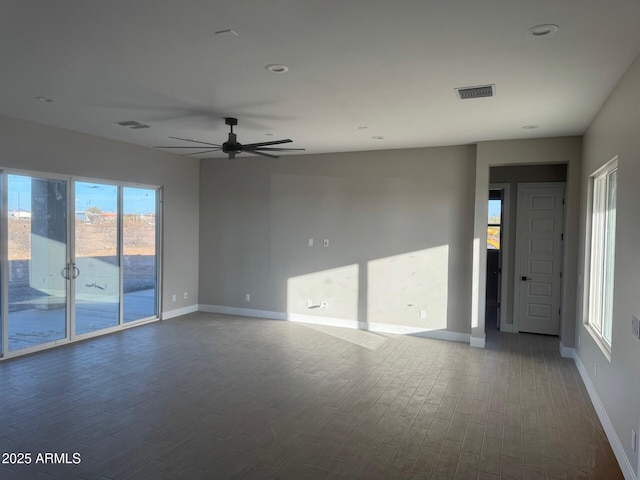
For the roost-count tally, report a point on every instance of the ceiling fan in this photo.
(232, 147)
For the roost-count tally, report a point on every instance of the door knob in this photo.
(524, 279)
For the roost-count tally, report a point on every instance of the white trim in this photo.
(504, 252)
(506, 328)
(328, 321)
(339, 322)
(243, 312)
(588, 296)
(616, 445)
(166, 315)
(416, 331)
(567, 352)
(477, 342)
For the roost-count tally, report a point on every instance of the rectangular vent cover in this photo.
(132, 124)
(476, 92)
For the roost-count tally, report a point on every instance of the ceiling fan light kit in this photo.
(232, 147)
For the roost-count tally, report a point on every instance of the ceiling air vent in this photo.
(476, 92)
(132, 124)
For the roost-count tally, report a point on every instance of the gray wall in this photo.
(616, 131)
(513, 175)
(399, 225)
(34, 147)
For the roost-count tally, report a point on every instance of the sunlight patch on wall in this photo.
(475, 284)
(327, 293)
(410, 289)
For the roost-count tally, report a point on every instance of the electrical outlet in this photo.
(310, 242)
(326, 242)
(634, 440)
(247, 297)
(323, 304)
(309, 303)
(595, 369)
(173, 298)
(635, 327)
(186, 295)
(423, 314)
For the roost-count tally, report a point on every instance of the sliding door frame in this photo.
(71, 336)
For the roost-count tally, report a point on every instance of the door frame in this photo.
(71, 336)
(518, 250)
(504, 253)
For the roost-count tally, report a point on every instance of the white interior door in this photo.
(539, 253)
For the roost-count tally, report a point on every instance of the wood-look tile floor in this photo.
(213, 396)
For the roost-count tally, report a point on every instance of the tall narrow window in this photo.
(494, 221)
(603, 231)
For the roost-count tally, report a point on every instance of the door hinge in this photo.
(560, 274)
(563, 201)
(559, 311)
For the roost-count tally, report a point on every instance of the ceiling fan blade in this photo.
(262, 144)
(205, 151)
(195, 141)
(269, 149)
(262, 154)
(165, 146)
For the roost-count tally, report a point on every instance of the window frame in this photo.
(600, 256)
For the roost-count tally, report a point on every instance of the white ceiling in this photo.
(391, 66)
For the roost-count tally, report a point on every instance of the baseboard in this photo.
(339, 322)
(567, 352)
(477, 342)
(616, 445)
(318, 320)
(506, 327)
(178, 312)
(243, 312)
(416, 331)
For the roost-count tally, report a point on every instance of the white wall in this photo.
(616, 131)
(399, 223)
(34, 147)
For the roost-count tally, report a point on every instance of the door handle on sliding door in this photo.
(524, 279)
(70, 266)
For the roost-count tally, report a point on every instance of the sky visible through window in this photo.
(139, 200)
(494, 211)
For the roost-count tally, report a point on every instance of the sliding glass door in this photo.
(139, 246)
(97, 280)
(79, 258)
(37, 264)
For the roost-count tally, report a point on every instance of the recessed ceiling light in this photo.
(276, 68)
(377, 137)
(363, 128)
(269, 134)
(529, 127)
(542, 30)
(44, 99)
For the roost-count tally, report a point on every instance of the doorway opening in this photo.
(495, 242)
